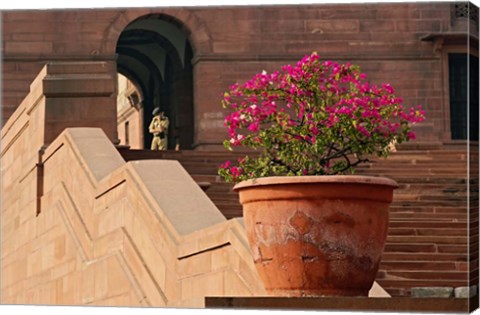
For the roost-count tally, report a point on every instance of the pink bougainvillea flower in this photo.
(313, 117)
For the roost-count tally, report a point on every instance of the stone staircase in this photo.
(432, 240)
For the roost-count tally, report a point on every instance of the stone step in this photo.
(397, 292)
(396, 247)
(408, 205)
(427, 275)
(407, 182)
(426, 224)
(229, 216)
(428, 231)
(427, 209)
(227, 204)
(421, 154)
(396, 220)
(399, 196)
(420, 239)
(430, 210)
(404, 166)
(214, 179)
(456, 199)
(406, 265)
(388, 165)
(434, 257)
(432, 220)
(396, 211)
(394, 170)
(411, 153)
(400, 175)
(449, 198)
(447, 248)
(454, 217)
(409, 179)
(401, 218)
(433, 187)
(214, 159)
(403, 159)
(409, 283)
(233, 215)
(420, 194)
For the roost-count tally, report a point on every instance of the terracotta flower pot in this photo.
(317, 235)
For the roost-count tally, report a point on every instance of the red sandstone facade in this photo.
(405, 44)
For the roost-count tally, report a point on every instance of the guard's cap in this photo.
(156, 111)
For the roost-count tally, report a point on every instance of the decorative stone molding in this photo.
(466, 10)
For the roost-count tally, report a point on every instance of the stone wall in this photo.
(230, 44)
(82, 227)
(106, 234)
(129, 116)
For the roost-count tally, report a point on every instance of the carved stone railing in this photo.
(82, 227)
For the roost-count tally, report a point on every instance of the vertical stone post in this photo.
(63, 95)
(80, 94)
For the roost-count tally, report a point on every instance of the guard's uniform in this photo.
(160, 140)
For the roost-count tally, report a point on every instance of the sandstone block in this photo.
(117, 283)
(194, 265)
(101, 283)
(23, 47)
(172, 285)
(221, 258)
(234, 286)
(142, 276)
(153, 259)
(465, 292)
(435, 292)
(63, 269)
(88, 284)
(333, 25)
(211, 284)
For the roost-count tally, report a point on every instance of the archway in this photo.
(154, 52)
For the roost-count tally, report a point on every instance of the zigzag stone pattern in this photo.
(107, 241)
(80, 226)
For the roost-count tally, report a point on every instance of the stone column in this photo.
(80, 94)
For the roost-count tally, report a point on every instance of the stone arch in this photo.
(199, 39)
(155, 51)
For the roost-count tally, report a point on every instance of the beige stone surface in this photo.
(181, 200)
(105, 227)
(377, 291)
(129, 118)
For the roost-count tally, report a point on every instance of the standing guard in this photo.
(159, 128)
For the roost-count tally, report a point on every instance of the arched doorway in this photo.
(154, 52)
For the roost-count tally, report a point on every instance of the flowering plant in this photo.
(315, 118)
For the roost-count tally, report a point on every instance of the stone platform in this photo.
(397, 304)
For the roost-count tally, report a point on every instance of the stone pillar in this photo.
(79, 94)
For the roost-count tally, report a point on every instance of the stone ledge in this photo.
(401, 304)
(444, 292)
(465, 292)
(432, 292)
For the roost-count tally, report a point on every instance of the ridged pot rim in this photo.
(317, 179)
